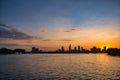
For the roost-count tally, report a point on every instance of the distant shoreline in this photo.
(52, 53)
(110, 51)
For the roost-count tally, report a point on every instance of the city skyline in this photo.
(74, 49)
(77, 49)
(49, 24)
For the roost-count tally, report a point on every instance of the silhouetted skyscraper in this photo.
(78, 48)
(75, 49)
(82, 49)
(62, 48)
(70, 48)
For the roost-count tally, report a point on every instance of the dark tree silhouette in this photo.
(113, 51)
(19, 50)
(6, 51)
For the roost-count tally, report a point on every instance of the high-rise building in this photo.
(70, 48)
(82, 49)
(62, 48)
(78, 48)
(75, 49)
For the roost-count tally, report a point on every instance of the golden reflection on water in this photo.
(103, 58)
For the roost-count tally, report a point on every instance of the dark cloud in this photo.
(7, 31)
(4, 25)
(70, 30)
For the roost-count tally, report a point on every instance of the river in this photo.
(59, 67)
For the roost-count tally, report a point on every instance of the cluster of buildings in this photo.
(98, 50)
(77, 49)
(35, 50)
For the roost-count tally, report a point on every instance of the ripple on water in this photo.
(59, 67)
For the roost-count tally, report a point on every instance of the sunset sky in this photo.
(50, 24)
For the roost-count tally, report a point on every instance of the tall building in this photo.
(78, 48)
(82, 50)
(70, 48)
(62, 48)
(75, 49)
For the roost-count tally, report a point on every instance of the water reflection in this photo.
(59, 67)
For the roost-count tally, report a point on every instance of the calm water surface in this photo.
(59, 67)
